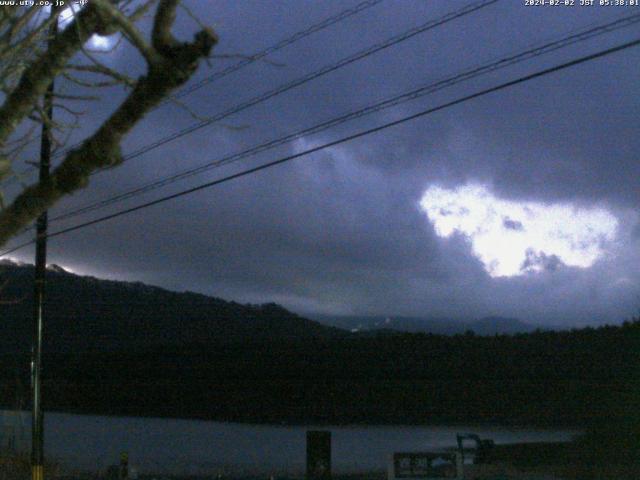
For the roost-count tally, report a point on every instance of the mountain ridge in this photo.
(87, 313)
(489, 325)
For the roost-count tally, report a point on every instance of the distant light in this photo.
(10, 261)
(55, 267)
(99, 42)
(65, 16)
(513, 238)
(96, 42)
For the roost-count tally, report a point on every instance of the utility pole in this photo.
(37, 420)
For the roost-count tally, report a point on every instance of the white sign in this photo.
(425, 466)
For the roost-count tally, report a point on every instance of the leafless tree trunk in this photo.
(25, 73)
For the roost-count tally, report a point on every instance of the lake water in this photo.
(91, 442)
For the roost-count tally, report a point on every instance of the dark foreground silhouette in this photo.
(577, 378)
(129, 349)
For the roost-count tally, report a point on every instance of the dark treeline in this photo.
(576, 378)
(90, 314)
(131, 349)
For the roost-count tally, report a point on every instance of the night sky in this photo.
(521, 203)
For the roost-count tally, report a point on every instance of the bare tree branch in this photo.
(172, 64)
(38, 75)
(102, 70)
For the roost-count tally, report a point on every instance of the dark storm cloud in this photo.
(510, 224)
(540, 260)
(341, 231)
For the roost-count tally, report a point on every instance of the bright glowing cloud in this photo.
(512, 238)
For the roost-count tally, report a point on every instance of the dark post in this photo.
(318, 455)
(123, 473)
(37, 432)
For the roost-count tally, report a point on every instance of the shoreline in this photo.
(442, 422)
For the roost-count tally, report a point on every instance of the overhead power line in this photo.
(248, 60)
(278, 46)
(396, 39)
(424, 90)
(481, 93)
(406, 35)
